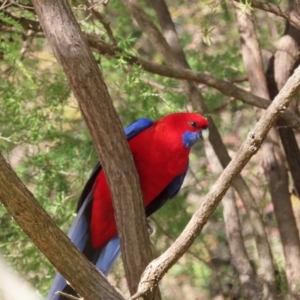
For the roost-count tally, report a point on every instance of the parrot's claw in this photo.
(150, 229)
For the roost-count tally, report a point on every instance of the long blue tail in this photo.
(103, 258)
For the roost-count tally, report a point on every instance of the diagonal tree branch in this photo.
(173, 59)
(55, 245)
(248, 278)
(250, 284)
(157, 268)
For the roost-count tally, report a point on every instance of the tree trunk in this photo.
(73, 53)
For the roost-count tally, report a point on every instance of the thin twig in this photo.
(223, 105)
(276, 10)
(105, 24)
(69, 296)
(162, 87)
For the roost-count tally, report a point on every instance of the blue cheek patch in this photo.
(190, 138)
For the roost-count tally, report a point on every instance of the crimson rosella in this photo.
(161, 154)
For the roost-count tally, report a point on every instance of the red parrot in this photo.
(161, 154)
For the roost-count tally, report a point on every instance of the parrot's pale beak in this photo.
(204, 134)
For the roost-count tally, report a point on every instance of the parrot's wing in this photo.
(168, 193)
(130, 131)
(136, 127)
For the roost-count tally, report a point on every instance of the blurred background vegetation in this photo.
(44, 137)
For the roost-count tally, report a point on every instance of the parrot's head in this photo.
(189, 128)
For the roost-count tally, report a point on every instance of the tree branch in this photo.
(224, 86)
(157, 268)
(276, 10)
(72, 52)
(239, 257)
(55, 245)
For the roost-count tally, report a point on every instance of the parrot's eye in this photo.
(194, 124)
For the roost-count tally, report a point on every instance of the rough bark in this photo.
(72, 51)
(159, 266)
(54, 244)
(273, 160)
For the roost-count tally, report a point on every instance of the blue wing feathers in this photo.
(58, 285)
(78, 231)
(173, 188)
(78, 235)
(136, 127)
(168, 193)
(109, 255)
